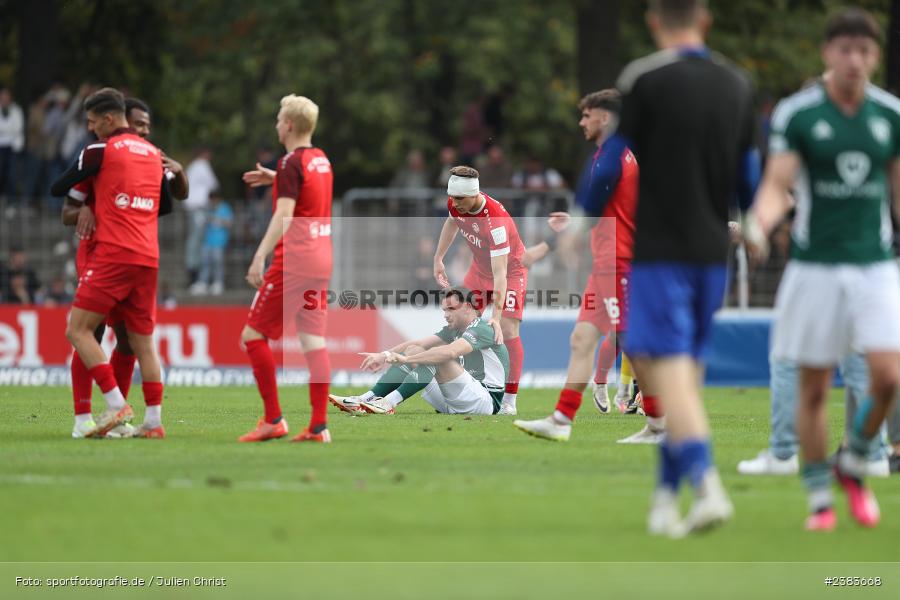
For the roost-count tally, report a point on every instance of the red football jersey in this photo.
(490, 232)
(305, 248)
(622, 206)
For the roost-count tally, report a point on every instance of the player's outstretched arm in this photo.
(70, 210)
(434, 356)
(557, 222)
(448, 232)
(284, 209)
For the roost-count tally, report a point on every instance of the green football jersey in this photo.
(843, 193)
(488, 362)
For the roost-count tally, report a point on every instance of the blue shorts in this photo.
(671, 307)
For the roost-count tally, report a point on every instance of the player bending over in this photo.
(300, 236)
(496, 274)
(78, 211)
(461, 369)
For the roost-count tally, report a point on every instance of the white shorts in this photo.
(462, 395)
(821, 311)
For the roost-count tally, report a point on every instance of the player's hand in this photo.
(440, 274)
(86, 224)
(755, 238)
(255, 273)
(559, 221)
(396, 359)
(171, 164)
(372, 361)
(259, 177)
(495, 325)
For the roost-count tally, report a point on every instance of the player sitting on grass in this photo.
(474, 385)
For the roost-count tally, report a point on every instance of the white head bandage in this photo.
(462, 186)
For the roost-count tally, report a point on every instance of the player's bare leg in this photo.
(510, 328)
(884, 373)
(558, 426)
(151, 377)
(80, 332)
(273, 424)
(606, 360)
(686, 451)
(812, 425)
(317, 359)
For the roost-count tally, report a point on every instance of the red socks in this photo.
(103, 375)
(652, 406)
(569, 402)
(153, 393)
(319, 377)
(516, 358)
(82, 384)
(123, 368)
(606, 359)
(264, 371)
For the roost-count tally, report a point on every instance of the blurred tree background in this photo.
(389, 75)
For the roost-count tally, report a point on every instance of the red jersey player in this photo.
(496, 273)
(121, 273)
(300, 235)
(611, 192)
(78, 210)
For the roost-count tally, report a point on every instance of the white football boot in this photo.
(601, 397)
(664, 518)
(767, 463)
(711, 506)
(547, 428)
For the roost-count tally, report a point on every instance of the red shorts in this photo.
(605, 301)
(516, 284)
(124, 292)
(285, 296)
(82, 258)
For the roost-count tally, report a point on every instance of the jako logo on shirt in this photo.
(142, 203)
(122, 201)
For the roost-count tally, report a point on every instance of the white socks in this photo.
(83, 418)
(114, 398)
(561, 419)
(153, 416)
(394, 398)
(366, 396)
(509, 399)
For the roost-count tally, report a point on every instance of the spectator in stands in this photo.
(493, 169)
(39, 150)
(202, 181)
(75, 135)
(474, 133)
(447, 160)
(259, 203)
(215, 241)
(55, 122)
(534, 176)
(413, 174)
(423, 273)
(166, 299)
(12, 140)
(18, 282)
(57, 294)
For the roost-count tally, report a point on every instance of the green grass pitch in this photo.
(416, 487)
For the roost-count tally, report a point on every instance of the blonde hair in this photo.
(301, 111)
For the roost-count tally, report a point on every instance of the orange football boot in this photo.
(266, 431)
(323, 437)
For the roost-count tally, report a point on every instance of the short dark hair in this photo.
(677, 14)
(104, 101)
(853, 22)
(461, 293)
(135, 103)
(609, 99)
(463, 171)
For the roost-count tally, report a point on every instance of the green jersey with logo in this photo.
(488, 362)
(842, 196)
